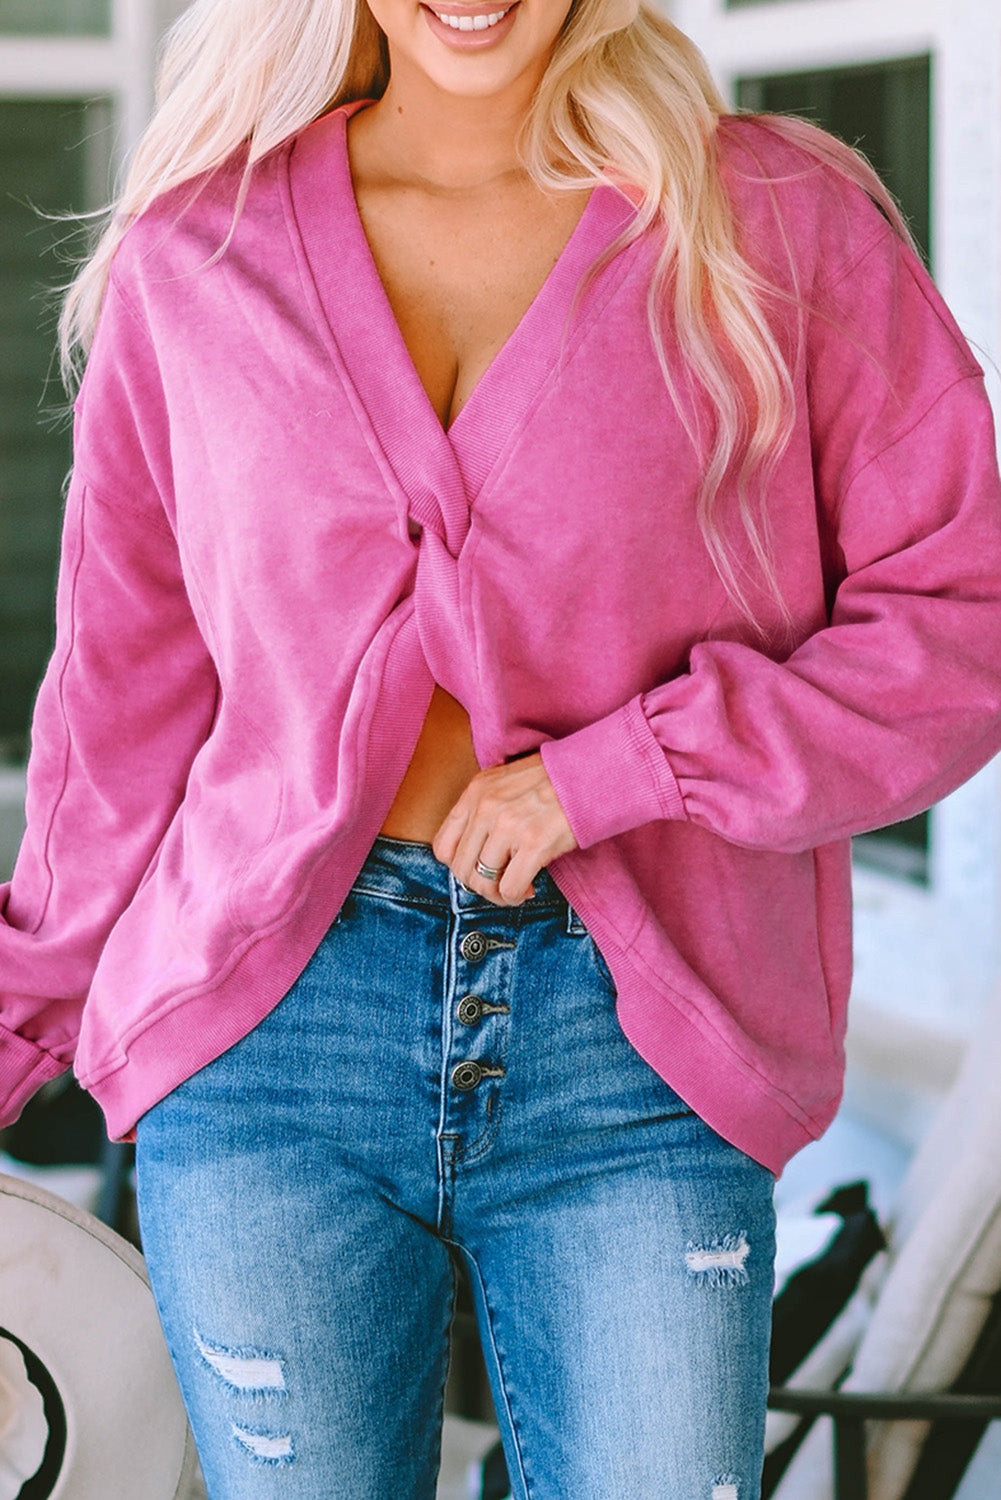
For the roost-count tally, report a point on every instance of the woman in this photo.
(523, 522)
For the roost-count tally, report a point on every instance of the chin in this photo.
(475, 78)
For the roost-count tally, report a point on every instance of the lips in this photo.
(476, 25)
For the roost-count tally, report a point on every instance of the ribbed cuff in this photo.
(612, 775)
(24, 1067)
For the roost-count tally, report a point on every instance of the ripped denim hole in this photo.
(265, 1447)
(720, 1263)
(242, 1369)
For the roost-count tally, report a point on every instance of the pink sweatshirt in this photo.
(272, 550)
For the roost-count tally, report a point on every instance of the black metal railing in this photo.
(850, 1410)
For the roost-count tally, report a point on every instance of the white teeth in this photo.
(473, 23)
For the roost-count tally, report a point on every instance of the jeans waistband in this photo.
(410, 870)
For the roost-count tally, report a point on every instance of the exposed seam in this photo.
(499, 1364)
(810, 167)
(157, 520)
(64, 717)
(126, 300)
(885, 232)
(236, 955)
(898, 438)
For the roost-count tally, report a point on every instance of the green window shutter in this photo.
(885, 110)
(882, 108)
(43, 165)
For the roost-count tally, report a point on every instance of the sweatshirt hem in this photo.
(194, 1033)
(748, 1117)
(748, 1111)
(198, 1029)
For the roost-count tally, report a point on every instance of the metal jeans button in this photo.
(473, 947)
(476, 945)
(466, 1075)
(470, 1010)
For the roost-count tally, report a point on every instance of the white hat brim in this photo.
(76, 1294)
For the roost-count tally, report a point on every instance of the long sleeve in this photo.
(127, 699)
(897, 700)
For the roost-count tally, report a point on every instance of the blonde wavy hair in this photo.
(627, 98)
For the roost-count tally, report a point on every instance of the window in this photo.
(885, 110)
(44, 164)
(75, 93)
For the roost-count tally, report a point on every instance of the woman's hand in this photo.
(510, 820)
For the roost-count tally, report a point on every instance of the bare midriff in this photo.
(442, 764)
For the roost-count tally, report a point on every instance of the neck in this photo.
(449, 141)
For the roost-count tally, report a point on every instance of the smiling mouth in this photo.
(471, 23)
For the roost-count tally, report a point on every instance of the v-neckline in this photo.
(358, 231)
(359, 316)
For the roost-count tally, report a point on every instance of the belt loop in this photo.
(575, 927)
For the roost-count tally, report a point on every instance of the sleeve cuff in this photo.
(612, 775)
(24, 1067)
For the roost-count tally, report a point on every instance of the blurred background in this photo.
(916, 84)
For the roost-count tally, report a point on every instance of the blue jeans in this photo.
(445, 1081)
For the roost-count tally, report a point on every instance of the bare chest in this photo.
(460, 274)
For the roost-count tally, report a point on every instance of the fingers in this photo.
(467, 844)
(516, 870)
(509, 819)
(516, 883)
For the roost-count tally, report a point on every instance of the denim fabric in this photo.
(303, 1197)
